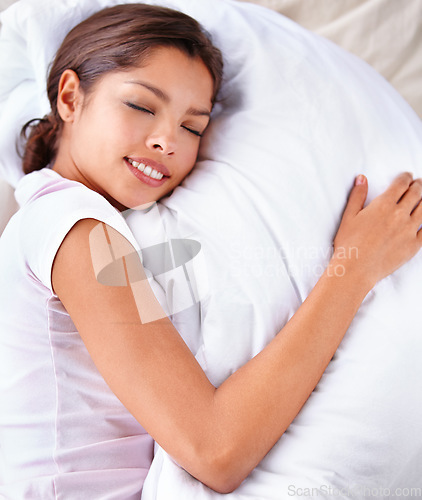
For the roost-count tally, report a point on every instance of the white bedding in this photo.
(387, 34)
(298, 119)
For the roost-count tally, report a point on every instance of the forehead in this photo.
(168, 69)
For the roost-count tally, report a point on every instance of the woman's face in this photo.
(136, 136)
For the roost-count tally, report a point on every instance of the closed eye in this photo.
(138, 108)
(194, 132)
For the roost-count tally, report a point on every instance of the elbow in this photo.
(218, 458)
(223, 484)
(226, 485)
(223, 472)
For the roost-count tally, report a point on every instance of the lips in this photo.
(143, 164)
(148, 171)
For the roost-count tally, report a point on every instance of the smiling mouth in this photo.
(146, 169)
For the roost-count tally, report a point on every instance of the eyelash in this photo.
(144, 110)
(194, 132)
(138, 108)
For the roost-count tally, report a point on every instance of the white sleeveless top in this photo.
(63, 433)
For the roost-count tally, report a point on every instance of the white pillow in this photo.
(298, 119)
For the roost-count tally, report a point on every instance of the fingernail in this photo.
(360, 179)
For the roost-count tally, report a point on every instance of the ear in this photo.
(69, 95)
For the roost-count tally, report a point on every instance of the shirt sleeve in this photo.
(47, 220)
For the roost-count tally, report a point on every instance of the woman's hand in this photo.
(378, 239)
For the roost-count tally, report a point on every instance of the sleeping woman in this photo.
(87, 384)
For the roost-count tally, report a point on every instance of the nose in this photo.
(163, 139)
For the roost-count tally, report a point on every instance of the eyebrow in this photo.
(164, 97)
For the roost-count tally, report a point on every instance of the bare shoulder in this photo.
(98, 275)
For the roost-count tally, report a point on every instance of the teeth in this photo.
(147, 170)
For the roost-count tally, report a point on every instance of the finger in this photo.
(357, 197)
(416, 215)
(412, 196)
(399, 186)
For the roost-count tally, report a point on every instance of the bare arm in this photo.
(220, 435)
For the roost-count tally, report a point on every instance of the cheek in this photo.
(132, 133)
(190, 154)
(186, 168)
(107, 136)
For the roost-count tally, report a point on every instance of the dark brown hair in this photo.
(114, 39)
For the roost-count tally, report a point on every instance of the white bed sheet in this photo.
(387, 34)
(299, 118)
